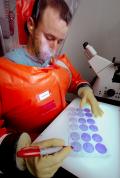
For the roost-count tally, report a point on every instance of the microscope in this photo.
(106, 84)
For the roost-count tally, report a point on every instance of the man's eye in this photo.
(50, 38)
(60, 41)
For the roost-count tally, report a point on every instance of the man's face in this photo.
(50, 32)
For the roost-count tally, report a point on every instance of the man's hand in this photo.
(45, 166)
(87, 96)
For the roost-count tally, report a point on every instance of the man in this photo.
(33, 85)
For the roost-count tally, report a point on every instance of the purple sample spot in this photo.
(88, 147)
(86, 110)
(88, 114)
(97, 138)
(72, 109)
(83, 127)
(90, 121)
(74, 136)
(101, 148)
(94, 128)
(76, 146)
(78, 110)
(82, 120)
(86, 137)
(81, 114)
(73, 119)
(72, 113)
(74, 126)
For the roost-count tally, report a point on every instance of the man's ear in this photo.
(30, 25)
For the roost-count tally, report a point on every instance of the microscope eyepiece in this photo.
(85, 44)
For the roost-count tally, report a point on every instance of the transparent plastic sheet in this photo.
(73, 5)
(85, 134)
(2, 44)
(24, 10)
(8, 33)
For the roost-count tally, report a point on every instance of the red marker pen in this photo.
(33, 151)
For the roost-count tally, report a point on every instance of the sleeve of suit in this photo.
(8, 141)
(77, 80)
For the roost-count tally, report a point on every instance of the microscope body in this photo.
(107, 84)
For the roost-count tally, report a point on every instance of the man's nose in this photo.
(54, 45)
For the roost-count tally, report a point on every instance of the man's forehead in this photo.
(52, 23)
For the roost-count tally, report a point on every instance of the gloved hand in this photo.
(45, 166)
(87, 96)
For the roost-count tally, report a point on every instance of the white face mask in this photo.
(45, 53)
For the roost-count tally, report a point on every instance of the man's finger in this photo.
(61, 155)
(96, 110)
(50, 143)
(56, 158)
(83, 101)
(51, 169)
